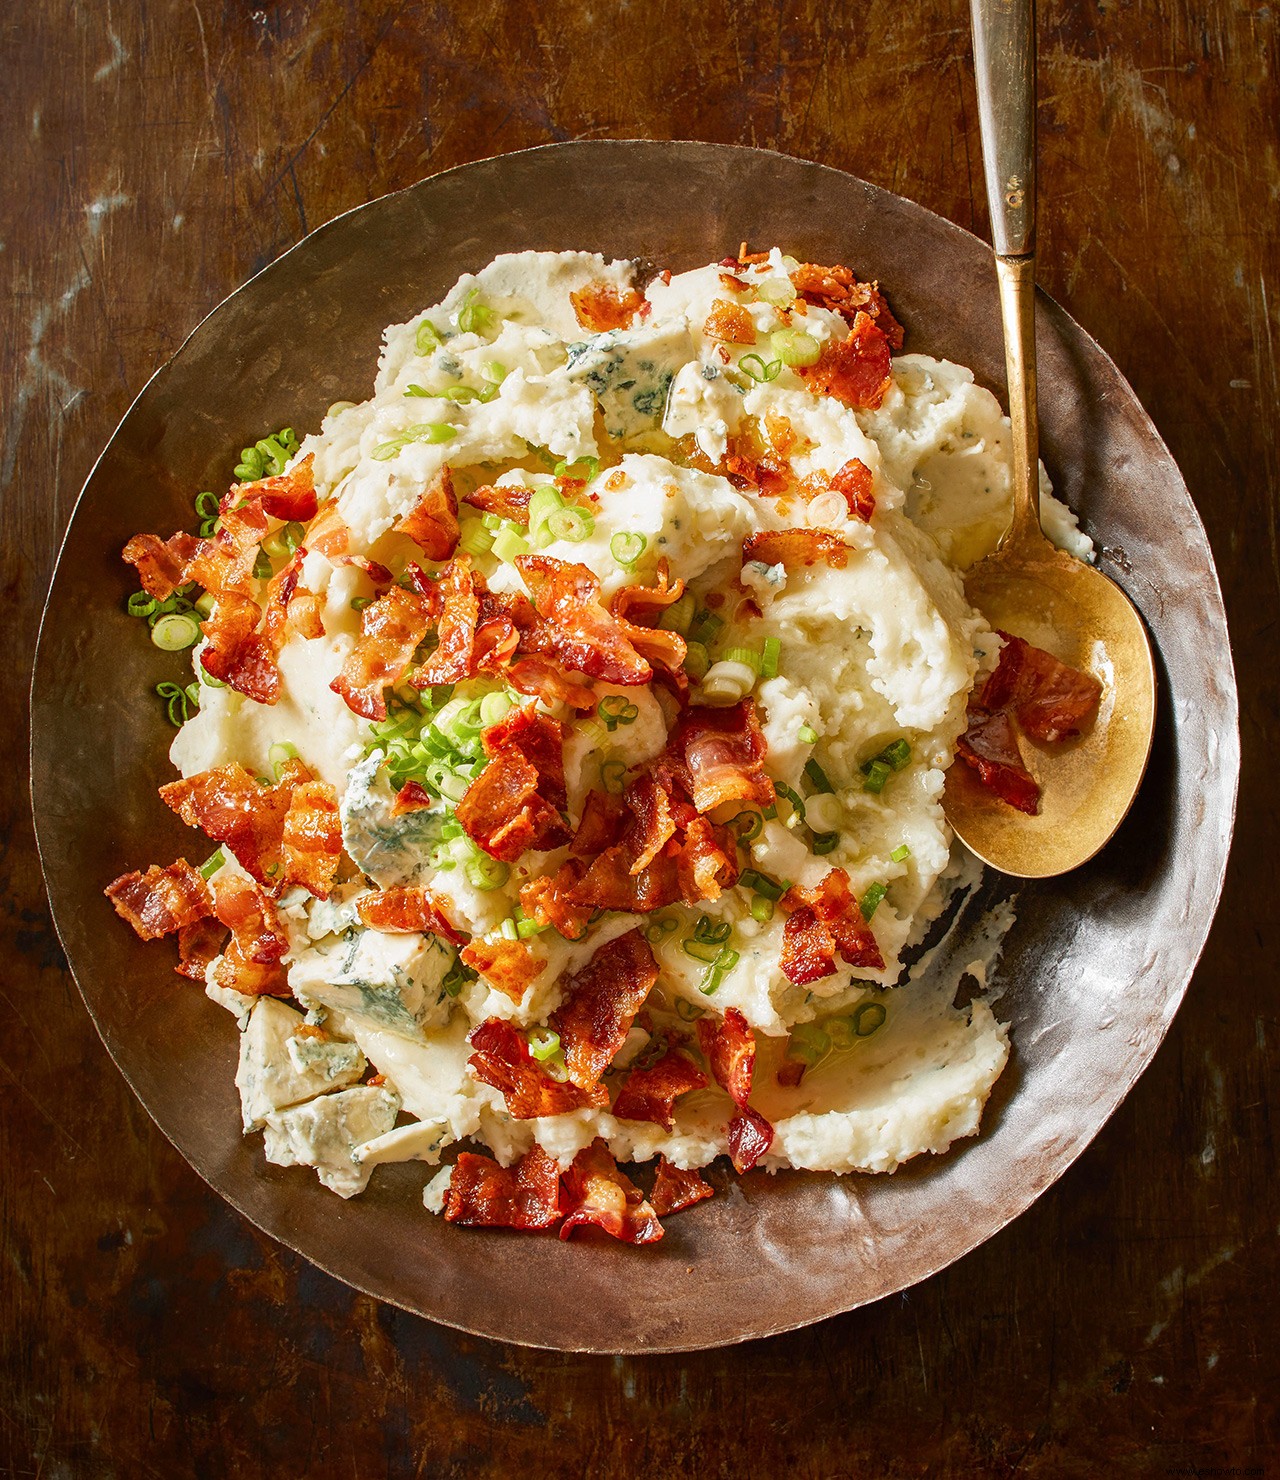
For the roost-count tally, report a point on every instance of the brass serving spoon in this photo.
(1028, 587)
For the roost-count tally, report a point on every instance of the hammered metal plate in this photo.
(1095, 967)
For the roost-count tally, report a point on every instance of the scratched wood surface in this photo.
(155, 154)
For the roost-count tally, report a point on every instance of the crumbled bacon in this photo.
(676, 1188)
(855, 369)
(572, 624)
(412, 797)
(198, 944)
(162, 900)
(432, 523)
(717, 755)
(507, 500)
(600, 1004)
(545, 901)
(730, 322)
(161, 564)
(604, 815)
(750, 1136)
(837, 289)
(990, 747)
(601, 306)
(311, 842)
(637, 610)
(1050, 700)
(796, 547)
(289, 496)
(477, 629)
(390, 630)
(597, 1193)
(258, 944)
(482, 1194)
(407, 911)
(508, 966)
(245, 640)
(853, 483)
(768, 474)
(822, 923)
(502, 1058)
(516, 802)
(650, 1094)
(730, 1049)
(229, 805)
(541, 678)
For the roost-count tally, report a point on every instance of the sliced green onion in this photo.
(769, 658)
(508, 930)
(212, 864)
(208, 679)
(870, 901)
(427, 338)
(339, 407)
(494, 371)
(456, 978)
(175, 631)
(760, 883)
(778, 291)
(678, 615)
(358, 603)
(205, 604)
(274, 545)
(262, 566)
(700, 950)
(725, 961)
(280, 752)
(140, 604)
(758, 370)
(874, 776)
(207, 505)
(809, 1043)
(616, 710)
(868, 1017)
(706, 627)
(725, 683)
(711, 932)
(825, 842)
(570, 524)
(177, 703)
(494, 707)
(687, 1011)
(747, 825)
(898, 754)
(611, 776)
(487, 873)
(543, 1043)
(795, 347)
(746, 655)
(591, 464)
(808, 735)
(817, 777)
(427, 431)
(761, 908)
(793, 796)
(901, 853)
(473, 316)
(697, 660)
(627, 547)
(508, 543)
(475, 539)
(660, 927)
(527, 928)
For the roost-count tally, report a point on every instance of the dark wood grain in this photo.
(155, 154)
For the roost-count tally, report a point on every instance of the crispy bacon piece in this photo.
(604, 816)
(407, 911)
(477, 629)
(707, 863)
(750, 1136)
(390, 630)
(482, 1194)
(311, 842)
(501, 1058)
(597, 1193)
(730, 1048)
(432, 523)
(198, 944)
(245, 640)
(855, 369)
(676, 1188)
(162, 900)
(601, 1002)
(853, 483)
(836, 288)
(508, 501)
(643, 605)
(412, 797)
(768, 474)
(258, 944)
(796, 547)
(650, 1094)
(289, 496)
(228, 805)
(230, 631)
(507, 965)
(161, 564)
(823, 922)
(730, 322)
(790, 1072)
(990, 747)
(516, 801)
(329, 535)
(717, 755)
(572, 624)
(545, 900)
(601, 306)
(1051, 700)
(541, 678)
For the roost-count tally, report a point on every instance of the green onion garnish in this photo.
(268, 457)
(280, 752)
(678, 615)
(897, 755)
(746, 655)
(487, 873)
(358, 603)
(140, 604)
(456, 978)
(426, 431)
(615, 710)
(758, 370)
(808, 735)
(769, 658)
(874, 776)
(475, 539)
(697, 661)
(870, 901)
(761, 908)
(175, 631)
(817, 778)
(687, 1011)
(592, 465)
(725, 961)
(900, 853)
(543, 1043)
(793, 796)
(795, 347)
(427, 338)
(809, 1043)
(825, 842)
(710, 932)
(611, 775)
(660, 927)
(627, 547)
(473, 316)
(747, 825)
(867, 1018)
(494, 707)
(760, 883)
(508, 543)
(179, 702)
(780, 292)
(706, 627)
(212, 864)
(570, 524)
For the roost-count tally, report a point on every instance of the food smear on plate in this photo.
(571, 719)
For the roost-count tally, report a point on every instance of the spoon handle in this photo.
(1004, 48)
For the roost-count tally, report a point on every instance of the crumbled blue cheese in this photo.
(629, 371)
(326, 1134)
(393, 981)
(391, 850)
(271, 1075)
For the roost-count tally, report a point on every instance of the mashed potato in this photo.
(859, 668)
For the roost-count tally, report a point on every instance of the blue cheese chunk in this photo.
(391, 850)
(418, 1141)
(270, 1077)
(390, 981)
(327, 1133)
(629, 371)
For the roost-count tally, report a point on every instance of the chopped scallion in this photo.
(795, 347)
(279, 753)
(747, 825)
(874, 776)
(212, 864)
(825, 842)
(678, 615)
(769, 657)
(627, 547)
(494, 707)
(746, 655)
(867, 1018)
(760, 883)
(697, 661)
(761, 908)
(543, 1043)
(760, 371)
(473, 316)
(817, 778)
(487, 873)
(427, 337)
(870, 901)
(614, 710)
(508, 543)
(808, 735)
(175, 631)
(571, 524)
(900, 854)
(611, 776)
(140, 604)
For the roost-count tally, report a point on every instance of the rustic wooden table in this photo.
(156, 154)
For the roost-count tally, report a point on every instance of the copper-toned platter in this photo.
(1093, 970)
